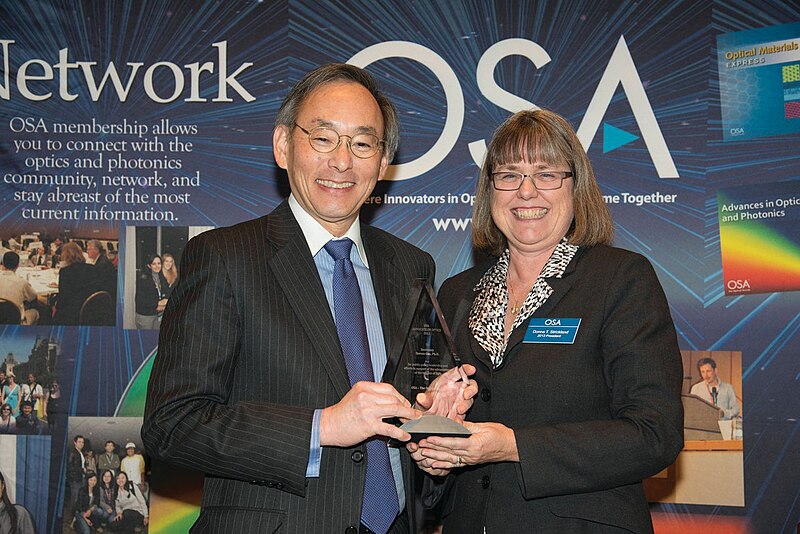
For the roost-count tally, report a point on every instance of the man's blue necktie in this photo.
(380, 506)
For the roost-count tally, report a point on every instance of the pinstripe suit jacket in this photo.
(248, 349)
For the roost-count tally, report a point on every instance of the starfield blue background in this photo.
(673, 46)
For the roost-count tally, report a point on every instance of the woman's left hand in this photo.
(424, 463)
(489, 442)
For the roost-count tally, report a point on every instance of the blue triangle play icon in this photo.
(614, 138)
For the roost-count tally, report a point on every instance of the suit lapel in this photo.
(561, 287)
(388, 282)
(296, 272)
(461, 317)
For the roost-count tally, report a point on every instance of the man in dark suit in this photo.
(103, 268)
(76, 469)
(251, 383)
(55, 251)
(39, 257)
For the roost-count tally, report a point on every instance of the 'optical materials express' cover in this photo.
(759, 82)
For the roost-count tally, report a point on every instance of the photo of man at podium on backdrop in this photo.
(712, 389)
(276, 336)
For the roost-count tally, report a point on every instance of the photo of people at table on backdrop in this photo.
(59, 277)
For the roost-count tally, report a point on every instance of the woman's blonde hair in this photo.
(72, 253)
(172, 274)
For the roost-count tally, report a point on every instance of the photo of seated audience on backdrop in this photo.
(58, 278)
(107, 477)
(30, 396)
(152, 270)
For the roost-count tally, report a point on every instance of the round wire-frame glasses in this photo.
(324, 140)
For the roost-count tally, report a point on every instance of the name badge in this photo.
(561, 331)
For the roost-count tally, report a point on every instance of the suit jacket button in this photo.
(279, 485)
(485, 482)
(351, 530)
(357, 456)
(486, 394)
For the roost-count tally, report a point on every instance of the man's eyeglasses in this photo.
(323, 139)
(542, 181)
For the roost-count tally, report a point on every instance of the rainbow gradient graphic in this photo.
(759, 231)
(175, 497)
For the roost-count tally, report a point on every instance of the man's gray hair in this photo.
(341, 72)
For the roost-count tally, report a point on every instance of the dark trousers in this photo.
(130, 520)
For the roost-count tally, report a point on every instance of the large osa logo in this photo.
(620, 70)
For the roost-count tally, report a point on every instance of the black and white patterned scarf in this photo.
(487, 316)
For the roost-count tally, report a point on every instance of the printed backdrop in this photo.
(159, 114)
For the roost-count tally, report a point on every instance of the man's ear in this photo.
(383, 167)
(280, 145)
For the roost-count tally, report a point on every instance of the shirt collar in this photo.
(317, 236)
(555, 267)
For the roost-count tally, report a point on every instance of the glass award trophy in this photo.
(423, 351)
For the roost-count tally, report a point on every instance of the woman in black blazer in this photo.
(577, 358)
(150, 299)
(76, 281)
